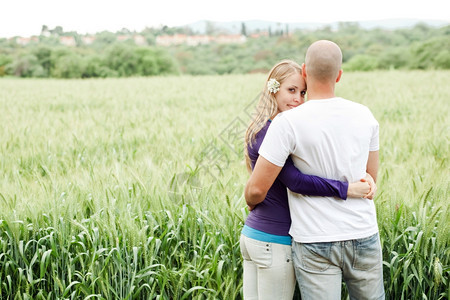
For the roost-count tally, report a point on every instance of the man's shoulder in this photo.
(354, 102)
(356, 105)
(282, 122)
(291, 113)
(351, 102)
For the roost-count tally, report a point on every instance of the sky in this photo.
(26, 17)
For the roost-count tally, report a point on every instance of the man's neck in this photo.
(320, 96)
(317, 91)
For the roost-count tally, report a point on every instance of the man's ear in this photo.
(339, 75)
(303, 70)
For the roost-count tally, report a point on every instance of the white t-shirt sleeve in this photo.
(278, 142)
(375, 140)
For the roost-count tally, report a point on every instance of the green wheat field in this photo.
(133, 188)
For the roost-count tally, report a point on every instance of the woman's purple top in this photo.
(272, 215)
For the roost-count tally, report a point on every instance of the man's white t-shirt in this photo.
(330, 138)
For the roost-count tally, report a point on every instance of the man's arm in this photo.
(261, 179)
(372, 164)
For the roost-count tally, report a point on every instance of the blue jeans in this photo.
(321, 267)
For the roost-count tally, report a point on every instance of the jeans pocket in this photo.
(243, 248)
(260, 252)
(315, 256)
(288, 255)
(367, 253)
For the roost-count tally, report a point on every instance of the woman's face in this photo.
(292, 92)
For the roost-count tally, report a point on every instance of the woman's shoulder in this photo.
(259, 137)
(263, 131)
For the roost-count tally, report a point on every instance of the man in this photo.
(334, 138)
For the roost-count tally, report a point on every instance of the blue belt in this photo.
(265, 237)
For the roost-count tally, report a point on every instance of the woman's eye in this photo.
(291, 90)
(303, 93)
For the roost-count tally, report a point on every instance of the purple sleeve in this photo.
(311, 185)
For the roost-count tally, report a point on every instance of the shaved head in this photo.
(323, 60)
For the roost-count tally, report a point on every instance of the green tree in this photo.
(419, 47)
(94, 66)
(58, 30)
(147, 61)
(394, 58)
(104, 38)
(243, 29)
(69, 66)
(442, 60)
(44, 30)
(25, 66)
(4, 61)
(166, 63)
(44, 54)
(123, 59)
(362, 62)
(424, 54)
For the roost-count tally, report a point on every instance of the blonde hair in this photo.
(267, 105)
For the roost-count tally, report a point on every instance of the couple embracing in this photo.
(319, 228)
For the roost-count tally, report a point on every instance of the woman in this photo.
(265, 241)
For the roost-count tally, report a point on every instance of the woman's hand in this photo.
(372, 184)
(359, 189)
(365, 188)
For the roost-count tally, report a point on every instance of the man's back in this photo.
(329, 138)
(335, 138)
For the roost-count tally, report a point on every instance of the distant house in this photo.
(170, 40)
(230, 39)
(122, 38)
(139, 40)
(259, 34)
(67, 41)
(26, 40)
(195, 40)
(88, 40)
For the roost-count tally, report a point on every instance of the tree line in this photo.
(418, 47)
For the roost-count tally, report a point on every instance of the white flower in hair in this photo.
(273, 85)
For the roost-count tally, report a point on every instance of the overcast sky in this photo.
(26, 17)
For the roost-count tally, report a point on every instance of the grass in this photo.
(132, 188)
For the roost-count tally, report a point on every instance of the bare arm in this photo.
(372, 164)
(370, 179)
(261, 179)
(372, 171)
